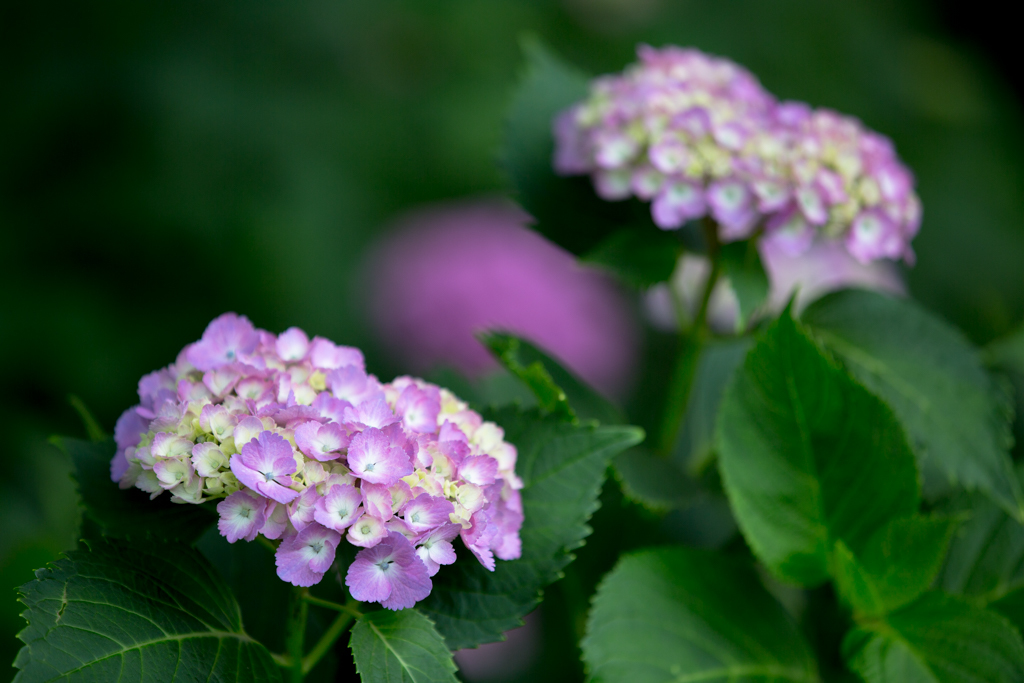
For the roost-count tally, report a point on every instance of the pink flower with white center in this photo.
(426, 512)
(377, 500)
(326, 355)
(265, 466)
(304, 558)
(419, 408)
(171, 471)
(242, 515)
(436, 547)
(277, 520)
(229, 338)
(339, 508)
(366, 532)
(322, 442)
(373, 457)
(375, 413)
(292, 345)
(389, 573)
(678, 202)
(247, 429)
(207, 459)
(301, 510)
(351, 383)
(479, 469)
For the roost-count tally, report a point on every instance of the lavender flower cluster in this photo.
(304, 446)
(697, 135)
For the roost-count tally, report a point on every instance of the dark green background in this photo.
(161, 163)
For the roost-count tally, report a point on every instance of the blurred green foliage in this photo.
(163, 163)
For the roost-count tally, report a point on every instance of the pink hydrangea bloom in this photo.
(299, 443)
(389, 573)
(697, 135)
(452, 271)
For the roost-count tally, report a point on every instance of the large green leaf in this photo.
(143, 611)
(128, 513)
(741, 264)
(557, 389)
(562, 466)
(677, 614)
(954, 413)
(937, 639)
(400, 647)
(897, 564)
(567, 210)
(808, 456)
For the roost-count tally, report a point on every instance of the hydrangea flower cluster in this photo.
(304, 446)
(697, 135)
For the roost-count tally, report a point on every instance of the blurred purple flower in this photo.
(452, 271)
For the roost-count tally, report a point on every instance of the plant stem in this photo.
(332, 633)
(295, 634)
(320, 602)
(690, 346)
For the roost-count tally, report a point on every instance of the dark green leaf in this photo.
(741, 264)
(986, 558)
(955, 415)
(562, 466)
(896, 565)
(129, 513)
(677, 614)
(654, 481)
(808, 456)
(937, 639)
(400, 647)
(143, 611)
(567, 210)
(638, 256)
(520, 357)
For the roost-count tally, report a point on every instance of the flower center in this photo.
(317, 547)
(369, 466)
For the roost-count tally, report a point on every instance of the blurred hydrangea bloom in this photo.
(824, 267)
(697, 135)
(304, 446)
(452, 271)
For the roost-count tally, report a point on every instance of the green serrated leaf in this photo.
(808, 456)
(129, 513)
(638, 256)
(986, 557)
(400, 647)
(677, 614)
(562, 466)
(654, 481)
(741, 264)
(566, 210)
(937, 639)
(955, 416)
(896, 565)
(519, 356)
(143, 611)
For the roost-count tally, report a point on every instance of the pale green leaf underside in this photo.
(562, 466)
(954, 414)
(144, 612)
(679, 615)
(400, 647)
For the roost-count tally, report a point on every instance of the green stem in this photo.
(295, 634)
(320, 602)
(332, 633)
(690, 346)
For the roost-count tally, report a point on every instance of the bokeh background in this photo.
(161, 163)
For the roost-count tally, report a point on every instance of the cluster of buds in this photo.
(304, 446)
(699, 136)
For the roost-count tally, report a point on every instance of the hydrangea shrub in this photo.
(830, 494)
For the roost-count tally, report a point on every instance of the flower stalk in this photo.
(295, 634)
